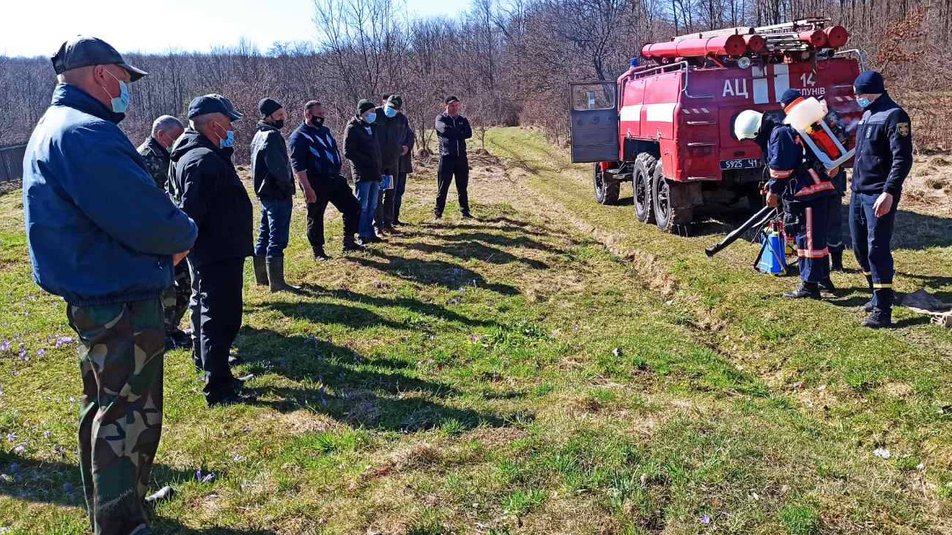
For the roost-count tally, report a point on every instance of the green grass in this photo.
(516, 375)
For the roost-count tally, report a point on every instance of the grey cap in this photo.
(83, 51)
(212, 103)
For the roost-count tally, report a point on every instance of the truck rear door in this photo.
(594, 122)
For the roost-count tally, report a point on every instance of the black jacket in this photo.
(406, 161)
(203, 182)
(314, 151)
(883, 148)
(363, 150)
(392, 135)
(453, 133)
(270, 167)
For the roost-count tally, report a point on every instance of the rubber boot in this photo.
(836, 261)
(261, 271)
(275, 268)
(807, 290)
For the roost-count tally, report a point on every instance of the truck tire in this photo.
(606, 189)
(641, 187)
(672, 206)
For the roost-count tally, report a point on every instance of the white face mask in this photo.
(121, 103)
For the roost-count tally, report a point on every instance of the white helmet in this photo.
(747, 124)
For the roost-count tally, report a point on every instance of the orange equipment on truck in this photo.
(667, 125)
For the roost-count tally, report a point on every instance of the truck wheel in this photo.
(672, 207)
(606, 190)
(641, 186)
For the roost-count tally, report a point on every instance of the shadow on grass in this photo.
(359, 318)
(436, 272)
(58, 483)
(375, 393)
(916, 232)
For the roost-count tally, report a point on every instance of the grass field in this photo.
(555, 367)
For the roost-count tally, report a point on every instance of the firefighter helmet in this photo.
(747, 124)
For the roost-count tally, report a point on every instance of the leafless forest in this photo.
(509, 61)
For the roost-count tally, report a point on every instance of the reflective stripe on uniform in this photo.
(816, 188)
(780, 173)
(880, 286)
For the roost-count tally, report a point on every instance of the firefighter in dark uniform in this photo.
(882, 162)
(804, 192)
(834, 236)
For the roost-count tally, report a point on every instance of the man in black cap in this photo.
(453, 130)
(363, 151)
(274, 186)
(882, 162)
(393, 129)
(103, 237)
(204, 183)
(316, 161)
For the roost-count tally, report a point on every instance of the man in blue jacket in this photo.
(103, 237)
(883, 160)
(204, 183)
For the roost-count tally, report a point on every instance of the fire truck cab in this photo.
(667, 125)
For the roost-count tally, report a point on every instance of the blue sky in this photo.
(38, 27)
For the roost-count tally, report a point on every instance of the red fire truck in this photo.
(666, 125)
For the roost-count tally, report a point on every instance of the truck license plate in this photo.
(745, 163)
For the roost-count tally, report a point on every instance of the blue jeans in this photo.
(368, 193)
(275, 228)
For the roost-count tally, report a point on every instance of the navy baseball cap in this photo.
(83, 51)
(212, 103)
(789, 96)
(869, 82)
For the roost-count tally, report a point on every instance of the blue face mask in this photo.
(121, 103)
(390, 112)
(371, 118)
(229, 140)
(863, 102)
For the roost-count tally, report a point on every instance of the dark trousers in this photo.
(120, 418)
(398, 190)
(812, 250)
(336, 192)
(871, 245)
(383, 219)
(217, 303)
(449, 168)
(275, 227)
(834, 235)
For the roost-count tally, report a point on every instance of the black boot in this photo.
(807, 290)
(261, 272)
(276, 275)
(879, 318)
(319, 254)
(827, 285)
(836, 261)
(350, 244)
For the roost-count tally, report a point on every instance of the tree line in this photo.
(510, 61)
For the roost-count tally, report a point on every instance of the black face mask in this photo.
(317, 122)
(278, 124)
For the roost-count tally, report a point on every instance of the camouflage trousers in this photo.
(121, 359)
(176, 297)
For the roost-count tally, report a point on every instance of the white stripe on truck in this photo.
(630, 113)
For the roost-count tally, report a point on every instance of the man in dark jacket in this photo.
(392, 131)
(103, 237)
(274, 186)
(316, 161)
(406, 167)
(155, 152)
(363, 151)
(453, 130)
(205, 184)
(883, 161)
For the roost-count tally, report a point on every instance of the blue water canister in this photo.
(772, 258)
